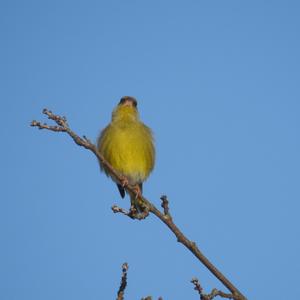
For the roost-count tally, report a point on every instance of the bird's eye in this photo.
(129, 99)
(122, 100)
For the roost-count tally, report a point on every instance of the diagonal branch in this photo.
(147, 206)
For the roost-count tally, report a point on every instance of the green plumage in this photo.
(127, 144)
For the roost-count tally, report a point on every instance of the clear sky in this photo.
(217, 81)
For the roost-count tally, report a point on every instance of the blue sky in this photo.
(217, 81)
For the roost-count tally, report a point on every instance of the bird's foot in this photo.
(124, 182)
(133, 211)
(138, 192)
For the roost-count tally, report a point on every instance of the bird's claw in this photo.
(124, 182)
(138, 193)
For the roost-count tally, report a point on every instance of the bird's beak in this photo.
(128, 103)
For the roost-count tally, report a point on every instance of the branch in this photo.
(181, 238)
(146, 206)
(214, 293)
(123, 284)
(62, 126)
(165, 205)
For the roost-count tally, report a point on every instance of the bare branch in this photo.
(181, 238)
(62, 126)
(214, 293)
(123, 284)
(45, 126)
(116, 209)
(132, 213)
(165, 205)
(146, 206)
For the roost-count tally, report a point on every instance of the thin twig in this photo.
(214, 293)
(147, 206)
(165, 205)
(123, 284)
(132, 213)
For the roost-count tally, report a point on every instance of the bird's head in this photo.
(128, 101)
(126, 109)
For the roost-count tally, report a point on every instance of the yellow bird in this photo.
(127, 144)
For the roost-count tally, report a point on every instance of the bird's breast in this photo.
(128, 147)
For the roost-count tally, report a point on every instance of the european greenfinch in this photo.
(127, 144)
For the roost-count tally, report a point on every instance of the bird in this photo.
(127, 144)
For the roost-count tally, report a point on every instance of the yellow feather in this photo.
(127, 144)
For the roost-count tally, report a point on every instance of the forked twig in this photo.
(214, 293)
